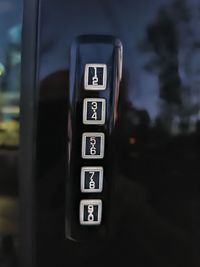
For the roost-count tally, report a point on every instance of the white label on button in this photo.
(93, 145)
(91, 179)
(95, 77)
(94, 111)
(90, 212)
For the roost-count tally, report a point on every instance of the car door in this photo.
(110, 133)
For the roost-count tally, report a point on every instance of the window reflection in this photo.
(173, 41)
(10, 64)
(9, 89)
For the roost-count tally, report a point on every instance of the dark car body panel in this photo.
(156, 189)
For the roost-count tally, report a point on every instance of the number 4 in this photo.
(94, 116)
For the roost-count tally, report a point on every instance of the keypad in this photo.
(93, 144)
(93, 100)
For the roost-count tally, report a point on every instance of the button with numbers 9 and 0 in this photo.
(93, 145)
(94, 111)
(91, 179)
(95, 77)
(90, 212)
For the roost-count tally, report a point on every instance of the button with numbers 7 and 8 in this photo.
(91, 179)
(93, 145)
(94, 111)
(90, 212)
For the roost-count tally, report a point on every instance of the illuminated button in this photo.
(90, 212)
(95, 77)
(91, 179)
(93, 145)
(94, 111)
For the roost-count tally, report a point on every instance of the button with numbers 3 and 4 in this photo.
(90, 212)
(91, 179)
(95, 77)
(94, 111)
(93, 145)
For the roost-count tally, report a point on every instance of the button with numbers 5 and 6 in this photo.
(90, 212)
(93, 145)
(94, 111)
(95, 77)
(91, 179)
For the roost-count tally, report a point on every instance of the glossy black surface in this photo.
(156, 202)
(102, 50)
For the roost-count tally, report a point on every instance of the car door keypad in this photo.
(94, 79)
(93, 144)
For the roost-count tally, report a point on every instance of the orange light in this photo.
(132, 141)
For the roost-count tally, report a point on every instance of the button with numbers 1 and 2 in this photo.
(91, 179)
(90, 212)
(95, 77)
(94, 111)
(93, 145)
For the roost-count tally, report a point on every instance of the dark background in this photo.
(155, 204)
